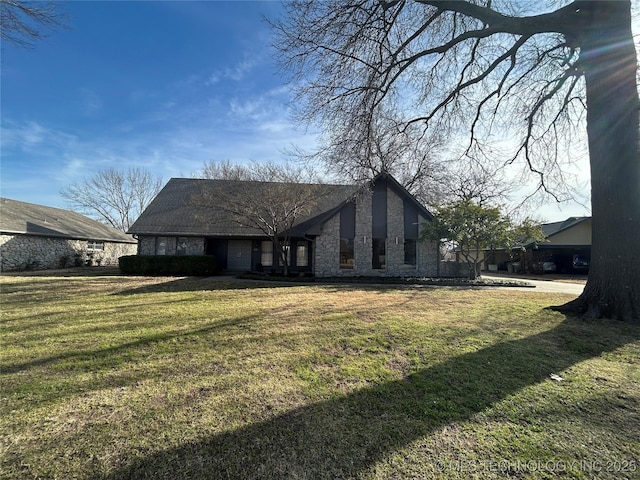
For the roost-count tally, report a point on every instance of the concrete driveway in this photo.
(545, 286)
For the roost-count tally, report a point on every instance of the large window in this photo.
(181, 246)
(346, 253)
(161, 246)
(378, 258)
(302, 254)
(410, 252)
(266, 257)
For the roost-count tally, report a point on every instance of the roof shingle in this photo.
(30, 219)
(180, 208)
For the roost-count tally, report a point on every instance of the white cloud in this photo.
(30, 136)
(236, 72)
(91, 102)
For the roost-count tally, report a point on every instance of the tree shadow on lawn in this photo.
(195, 284)
(111, 352)
(342, 437)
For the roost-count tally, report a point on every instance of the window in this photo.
(346, 253)
(181, 246)
(378, 253)
(410, 250)
(161, 246)
(302, 254)
(95, 246)
(266, 257)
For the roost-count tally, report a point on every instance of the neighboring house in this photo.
(566, 249)
(350, 231)
(35, 237)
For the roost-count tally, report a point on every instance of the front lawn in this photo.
(110, 377)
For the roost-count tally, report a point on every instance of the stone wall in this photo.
(326, 251)
(327, 245)
(428, 255)
(29, 252)
(395, 243)
(362, 242)
(454, 269)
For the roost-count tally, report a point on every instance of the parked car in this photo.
(580, 263)
(549, 267)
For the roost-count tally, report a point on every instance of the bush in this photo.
(183, 265)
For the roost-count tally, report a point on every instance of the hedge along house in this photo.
(349, 230)
(35, 237)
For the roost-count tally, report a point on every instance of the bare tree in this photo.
(359, 151)
(25, 22)
(224, 170)
(492, 75)
(268, 197)
(114, 197)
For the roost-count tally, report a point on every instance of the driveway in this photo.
(545, 286)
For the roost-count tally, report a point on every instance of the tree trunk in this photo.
(608, 58)
(282, 255)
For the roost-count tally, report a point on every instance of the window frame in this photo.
(379, 250)
(302, 260)
(95, 246)
(266, 261)
(413, 254)
(347, 254)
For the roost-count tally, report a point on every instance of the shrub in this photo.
(183, 265)
(64, 261)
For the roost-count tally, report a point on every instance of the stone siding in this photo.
(29, 252)
(362, 242)
(395, 266)
(428, 254)
(326, 253)
(454, 269)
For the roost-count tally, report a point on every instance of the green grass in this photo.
(108, 377)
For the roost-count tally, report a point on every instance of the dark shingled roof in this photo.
(554, 228)
(551, 229)
(30, 219)
(181, 208)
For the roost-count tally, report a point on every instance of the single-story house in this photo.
(566, 249)
(35, 237)
(349, 230)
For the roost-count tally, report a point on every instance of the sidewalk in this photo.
(545, 285)
(547, 277)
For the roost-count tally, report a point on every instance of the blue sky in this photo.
(166, 86)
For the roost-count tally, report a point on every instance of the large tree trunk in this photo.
(608, 58)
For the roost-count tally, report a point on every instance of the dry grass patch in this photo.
(123, 377)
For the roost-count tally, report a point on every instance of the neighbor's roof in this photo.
(551, 229)
(31, 219)
(184, 207)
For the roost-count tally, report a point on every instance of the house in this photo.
(348, 231)
(566, 249)
(35, 237)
